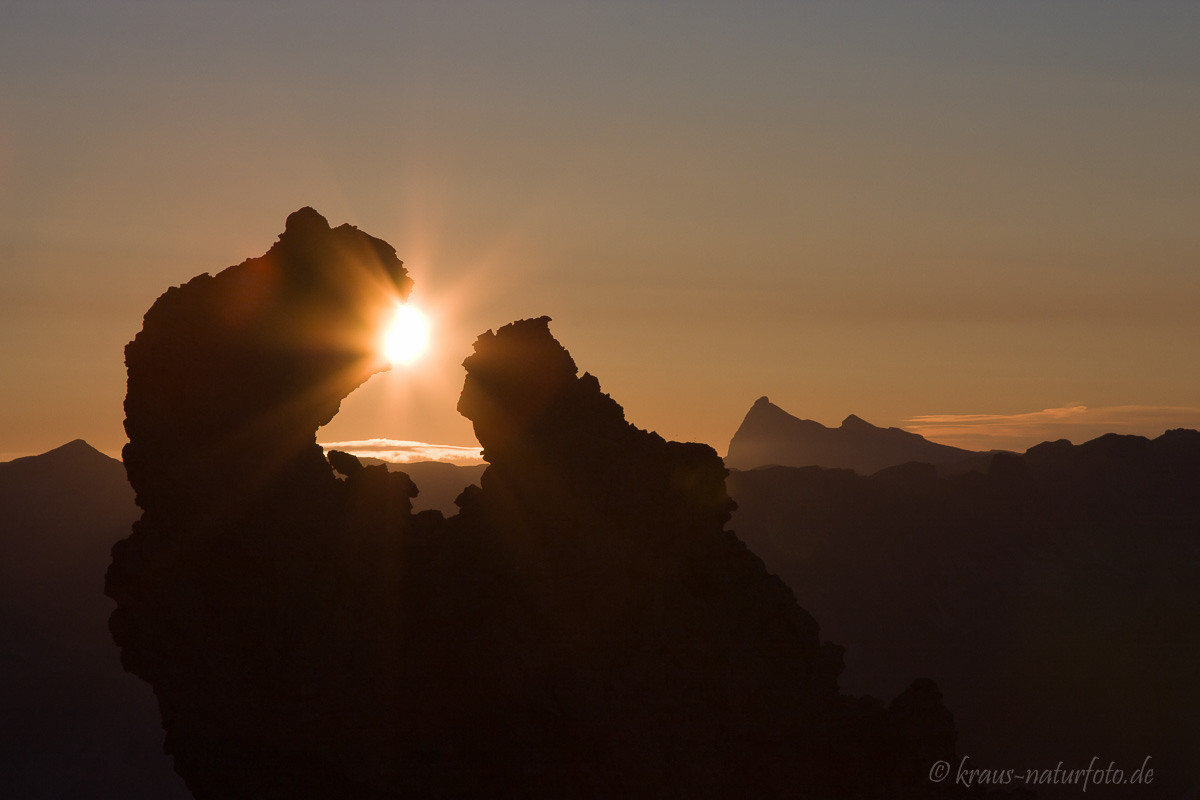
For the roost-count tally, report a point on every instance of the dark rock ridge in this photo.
(769, 436)
(583, 627)
(1053, 598)
(441, 482)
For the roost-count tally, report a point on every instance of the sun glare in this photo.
(407, 337)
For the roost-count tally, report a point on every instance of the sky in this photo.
(970, 219)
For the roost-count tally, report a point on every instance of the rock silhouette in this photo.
(769, 436)
(441, 482)
(584, 626)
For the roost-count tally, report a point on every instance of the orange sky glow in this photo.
(977, 222)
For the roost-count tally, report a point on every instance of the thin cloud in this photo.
(1077, 423)
(401, 451)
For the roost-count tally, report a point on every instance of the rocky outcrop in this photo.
(585, 626)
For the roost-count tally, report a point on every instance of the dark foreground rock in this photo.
(585, 626)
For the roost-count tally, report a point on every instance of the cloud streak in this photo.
(1078, 423)
(401, 451)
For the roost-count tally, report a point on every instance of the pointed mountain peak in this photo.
(769, 435)
(763, 407)
(76, 450)
(73, 450)
(764, 412)
(73, 446)
(73, 458)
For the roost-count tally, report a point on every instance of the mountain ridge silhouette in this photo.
(75, 723)
(93, 480)
(769, 436)
(1051, 596)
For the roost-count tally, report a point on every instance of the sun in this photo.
(407, 336)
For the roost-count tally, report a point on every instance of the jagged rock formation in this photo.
(769, 436)
(1061, 580)
(441, 482)
(583, 627)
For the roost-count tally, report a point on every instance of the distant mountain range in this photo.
(74, 723)
(769, 436)
(1051, 596)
